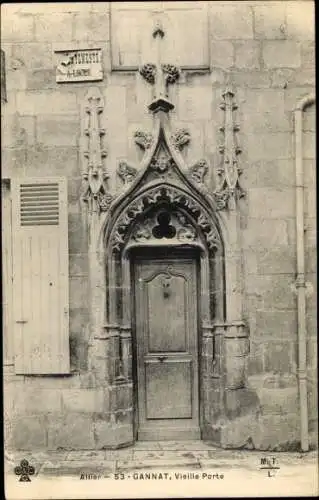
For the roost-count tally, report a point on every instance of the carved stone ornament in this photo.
(161, 163)
(126, 172)
(180, 138)
(160, 75)
(228, 172)
(172, 73)
(166, 225)
(148, 72)
(94, 173)
(198, 171)
(176, 199)
(143, 139)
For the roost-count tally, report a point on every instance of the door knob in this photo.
(161, 358)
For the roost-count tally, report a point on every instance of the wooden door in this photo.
(166, 348)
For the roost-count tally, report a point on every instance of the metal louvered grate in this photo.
(39, 204)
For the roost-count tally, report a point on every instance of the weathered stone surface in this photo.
(112, 436)
(84, 400)
(39, 79)
(231, 21)
(45, 160)
(277, 356)
(281, 54)
(70, 431)
(300, 21)
(268, 202)
(91, 26)
(78, 291)
(31, 402)
(28, 433)
(78, 264)
(278, 433)
(77, 234)
(270, 20)
(279, 401)
(271, 323)
(255, 362)
(61, 130)
(195, 103)
(222, 54)
(35, 103)
(15, 27)
(240, 402)
(54, 27)
(247, 55)
(268, 146)
(265, 233)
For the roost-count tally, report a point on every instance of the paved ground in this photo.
(173, 459)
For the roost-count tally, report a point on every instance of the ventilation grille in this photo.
(39, 204)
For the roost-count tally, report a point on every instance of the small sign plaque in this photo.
(79, 65)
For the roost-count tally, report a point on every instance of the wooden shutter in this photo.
(40, 276)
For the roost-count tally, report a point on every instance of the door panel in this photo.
(167, 324)
(166, 347)
(168, 390)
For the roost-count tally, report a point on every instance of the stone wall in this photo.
(266, 52)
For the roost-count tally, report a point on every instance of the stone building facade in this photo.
(158, 201)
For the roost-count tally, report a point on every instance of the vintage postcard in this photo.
(159, 249)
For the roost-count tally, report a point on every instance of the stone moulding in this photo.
(228, 187)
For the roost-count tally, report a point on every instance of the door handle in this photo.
(22, 321)
(161, 358)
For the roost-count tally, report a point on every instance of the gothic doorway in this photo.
(165, 343)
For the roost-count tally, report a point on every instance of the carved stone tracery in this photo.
(176, 198)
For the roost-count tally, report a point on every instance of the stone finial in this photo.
(94, 173)
(160, 75)
(228, 171)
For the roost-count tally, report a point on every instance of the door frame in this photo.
(160, 253)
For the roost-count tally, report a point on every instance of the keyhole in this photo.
(50, 283)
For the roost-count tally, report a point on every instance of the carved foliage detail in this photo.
(175, 198)
(143, 139)
(180, 138)
(126, 172)
(171, 73)
(198, 171)
(229, 171)
(94, 174)
(148, 72)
